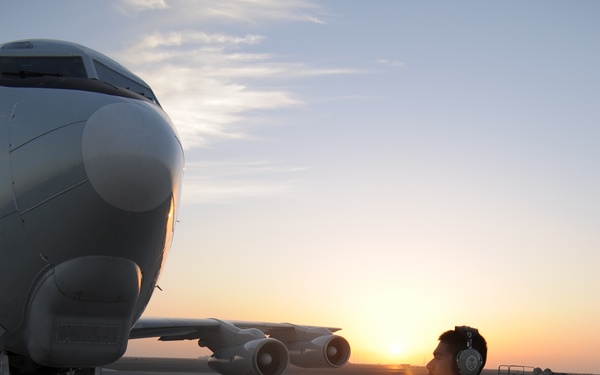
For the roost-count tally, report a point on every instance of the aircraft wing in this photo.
(172, 329)
(241, 347)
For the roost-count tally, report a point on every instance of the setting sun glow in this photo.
(396, 349)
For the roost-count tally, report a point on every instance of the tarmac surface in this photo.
(199, 366)
(190, 366)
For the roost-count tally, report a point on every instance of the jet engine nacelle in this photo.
(322, 351)
(264, 356)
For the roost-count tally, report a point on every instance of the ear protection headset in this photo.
(469, 360)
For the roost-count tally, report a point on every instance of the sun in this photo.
(396, 349)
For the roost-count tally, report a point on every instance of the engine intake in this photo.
(263, 356)
(323, 351)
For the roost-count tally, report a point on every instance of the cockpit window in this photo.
(37, 66)
(117, 79)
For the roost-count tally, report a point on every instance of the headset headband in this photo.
(468, 332)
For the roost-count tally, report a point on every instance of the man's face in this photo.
(441, 364)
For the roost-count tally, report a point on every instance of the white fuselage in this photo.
(90, 178)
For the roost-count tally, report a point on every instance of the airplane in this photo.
(90, 180)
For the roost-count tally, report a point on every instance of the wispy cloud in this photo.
(205, 80)
(207, 65)
(394, 63)
(247, 11)
(192, 37)
(201, 84)
(230, 180)
(131, 7)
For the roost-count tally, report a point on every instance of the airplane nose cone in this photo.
(132, 156)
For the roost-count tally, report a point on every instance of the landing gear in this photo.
(4, 370)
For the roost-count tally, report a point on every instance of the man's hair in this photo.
(457, 341)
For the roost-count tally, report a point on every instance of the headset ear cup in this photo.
(468, 362)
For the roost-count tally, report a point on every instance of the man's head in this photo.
(464, 341)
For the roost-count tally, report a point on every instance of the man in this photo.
(462, 351)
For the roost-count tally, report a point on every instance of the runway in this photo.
(187, 366)
(199, 366)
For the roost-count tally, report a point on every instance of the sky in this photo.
(393, 168)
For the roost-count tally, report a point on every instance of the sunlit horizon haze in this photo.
(391, 168)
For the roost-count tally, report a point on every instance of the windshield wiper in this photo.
(27, 73)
